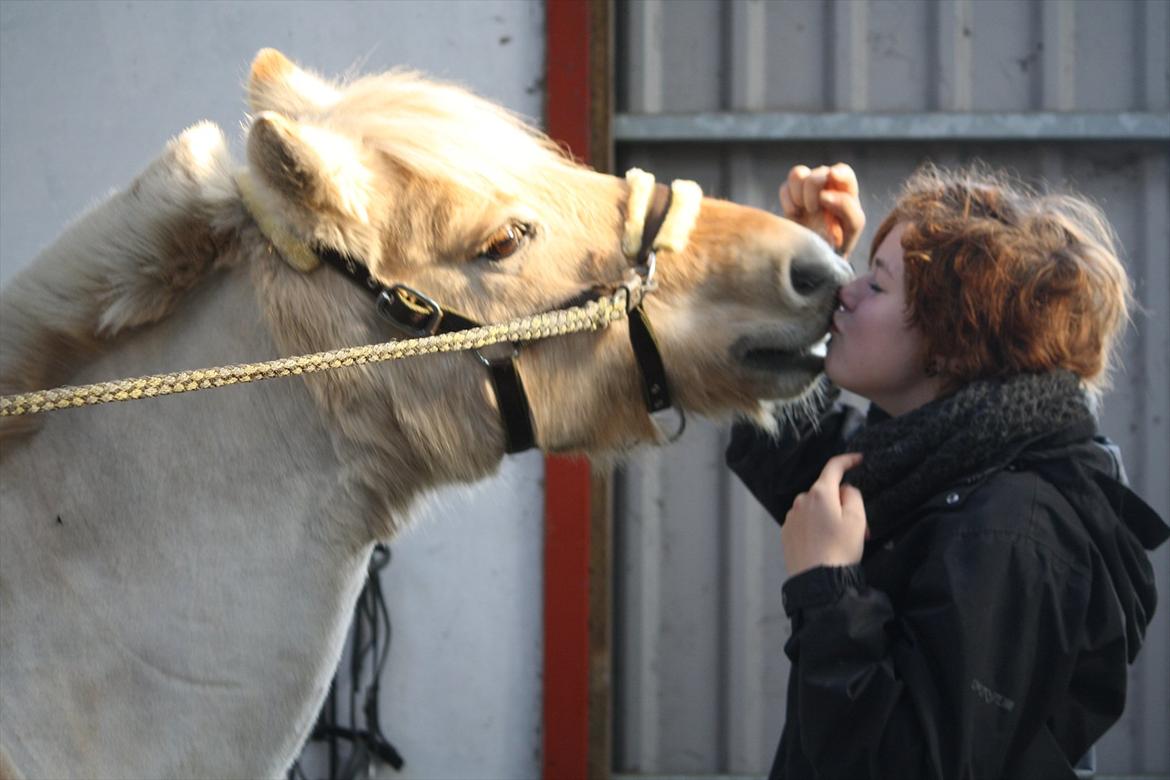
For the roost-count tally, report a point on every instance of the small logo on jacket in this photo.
(991, 697)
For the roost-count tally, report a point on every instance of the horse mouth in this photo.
(778, 361)
(772, 359)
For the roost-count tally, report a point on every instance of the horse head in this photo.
(431, 187)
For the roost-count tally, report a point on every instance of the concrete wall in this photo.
(90, 92)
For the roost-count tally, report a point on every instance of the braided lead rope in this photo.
(592, 316)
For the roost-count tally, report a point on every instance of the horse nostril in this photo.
(806, 279)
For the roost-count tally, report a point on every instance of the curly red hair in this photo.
(1002, 280)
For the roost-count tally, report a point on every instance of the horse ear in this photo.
(309, 165)
(277, 84)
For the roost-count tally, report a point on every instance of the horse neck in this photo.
(178, 569)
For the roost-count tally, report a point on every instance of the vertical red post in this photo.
(567, 486)
(566, 619)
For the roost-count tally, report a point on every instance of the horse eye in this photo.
(505, 242)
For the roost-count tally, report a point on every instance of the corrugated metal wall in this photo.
(700, 671)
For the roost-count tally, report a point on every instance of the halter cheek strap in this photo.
(657, 219)
(651, 368)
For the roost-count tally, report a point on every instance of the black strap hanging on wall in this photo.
(351, 750)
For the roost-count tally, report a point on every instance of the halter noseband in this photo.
(415, 314)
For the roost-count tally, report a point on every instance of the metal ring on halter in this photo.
(635, 290)
(647, 270)
(506, 350)
(669, 433)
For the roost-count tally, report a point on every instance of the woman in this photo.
(967, 583)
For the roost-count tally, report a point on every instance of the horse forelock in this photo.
(442, 132)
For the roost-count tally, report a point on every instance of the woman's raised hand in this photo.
(825, 199)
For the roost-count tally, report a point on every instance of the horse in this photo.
(176, 574)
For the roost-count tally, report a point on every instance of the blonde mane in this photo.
(423, 125)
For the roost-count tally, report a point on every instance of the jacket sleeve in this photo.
(955, 682)
(776, 468)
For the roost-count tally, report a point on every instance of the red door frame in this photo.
(572, 90)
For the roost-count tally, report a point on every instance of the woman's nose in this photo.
(847, 294)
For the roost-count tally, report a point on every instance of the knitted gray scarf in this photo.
(981, 427)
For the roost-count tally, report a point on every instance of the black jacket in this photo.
(986, 636)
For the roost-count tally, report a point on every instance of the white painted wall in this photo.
(90, 92)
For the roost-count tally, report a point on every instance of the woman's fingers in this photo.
(825, 199)
(844, 210)
(834, 470)
(787, 204)
(811, 186)
(836, 233)
(835, 221)
(791, 193)
(845, 207)
(842, 178)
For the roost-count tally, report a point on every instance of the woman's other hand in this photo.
(826, 525)
(825, 199)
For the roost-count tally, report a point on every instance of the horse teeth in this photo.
(821, 348)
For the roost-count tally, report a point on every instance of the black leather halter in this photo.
(416, 315)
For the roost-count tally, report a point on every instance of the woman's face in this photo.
(874, 351)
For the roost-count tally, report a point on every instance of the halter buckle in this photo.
(413, 313)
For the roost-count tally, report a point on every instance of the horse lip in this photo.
(760, 355)
(777, 361)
